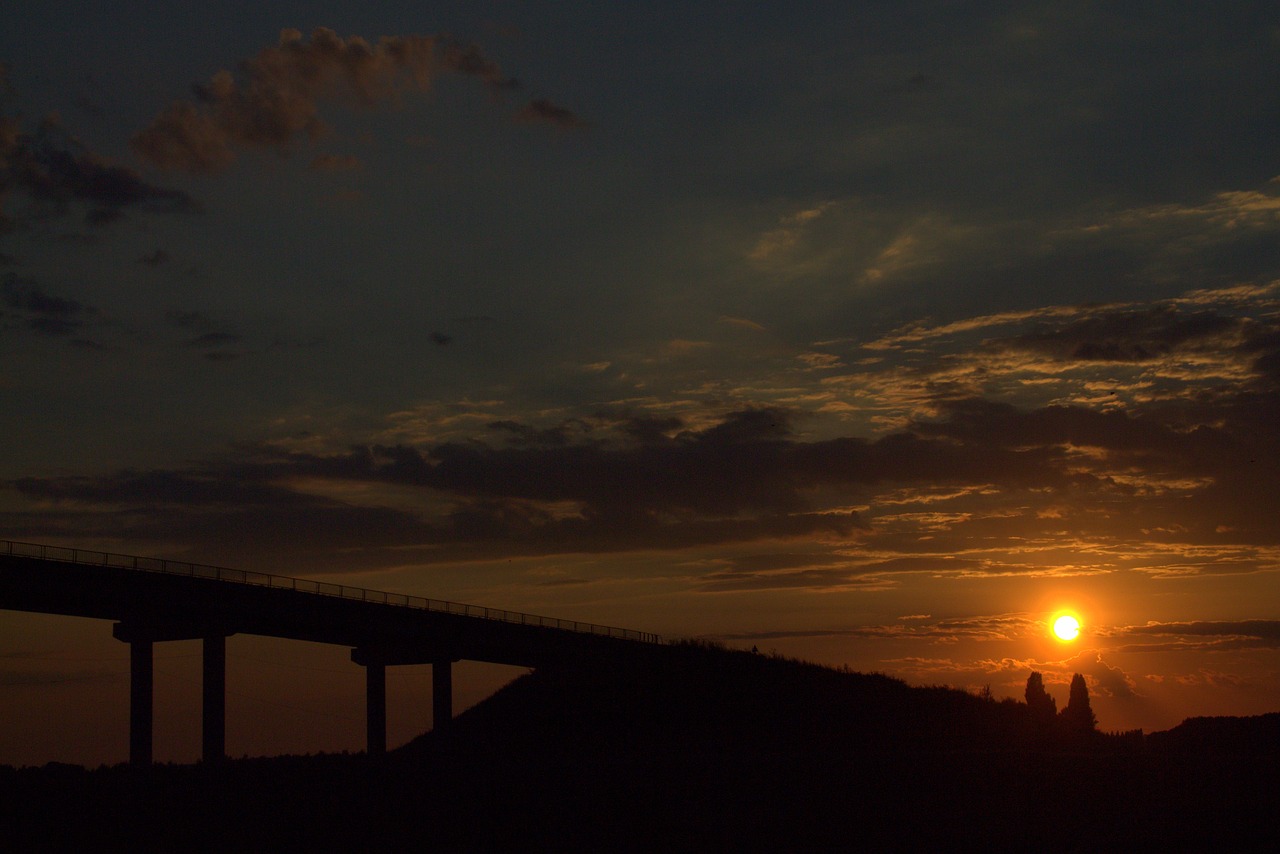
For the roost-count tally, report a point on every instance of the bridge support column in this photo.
(441, 695)
(376, 707)
(215, 699)
(141, 680)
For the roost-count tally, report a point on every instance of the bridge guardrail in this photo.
(90, 557)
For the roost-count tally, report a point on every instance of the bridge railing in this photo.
(88, 557)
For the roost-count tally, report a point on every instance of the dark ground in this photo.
(696, 750)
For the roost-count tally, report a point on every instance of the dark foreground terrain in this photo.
(694, 749)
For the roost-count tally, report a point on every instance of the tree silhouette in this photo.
(1042, 707)
(1078, 715)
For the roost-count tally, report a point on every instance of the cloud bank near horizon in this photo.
(1143, 462)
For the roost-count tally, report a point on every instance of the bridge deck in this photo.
(166, 599)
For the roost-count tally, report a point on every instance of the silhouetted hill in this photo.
(689, 697)
(1252, 736)
(683, 748)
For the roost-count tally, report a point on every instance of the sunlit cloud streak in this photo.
(1204, 636)
(980, 628)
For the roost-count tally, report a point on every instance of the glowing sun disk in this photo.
(1066, 628)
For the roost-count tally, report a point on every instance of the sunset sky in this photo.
(873, 333)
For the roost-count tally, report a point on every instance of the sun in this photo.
(1066, 628)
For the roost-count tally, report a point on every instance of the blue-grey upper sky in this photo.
(880, 330)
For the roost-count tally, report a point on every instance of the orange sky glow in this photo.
(869, 337)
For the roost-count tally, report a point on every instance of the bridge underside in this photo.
(150, 608)
(214, 699)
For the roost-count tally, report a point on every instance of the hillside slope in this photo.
(688, 749)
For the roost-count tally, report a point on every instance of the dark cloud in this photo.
(523, 435)
(542, 110)
(53, 326)
(187, 319)
(43, 313)
(336, 163)
(26, 295)
(543, 495)
(645, 428)
(275, 97)
(647, 484)
(1135, 335)
(1252, 628)
(218, 344)
(941, 494)
(155, 259)
(470, 60)
(1201, 636)
(53, 170)
(214, 339)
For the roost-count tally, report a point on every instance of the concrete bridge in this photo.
(155, 600)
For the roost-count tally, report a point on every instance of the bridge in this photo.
(153, 600)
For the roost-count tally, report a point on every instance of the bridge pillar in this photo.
(376, 707)
(214, 683)
(141, 680)
(441, 695)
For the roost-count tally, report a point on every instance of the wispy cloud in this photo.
(1203, 636)
(275, 98)
(788, 234)
(542, 110)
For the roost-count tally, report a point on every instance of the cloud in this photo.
(336, 163)
(187, 319)
(275, 97)
(1080, 491)
(1206, 635)
(788, 234)
(214, 339)
(549, 493)
(1102, 677)
(155, 259)
(542, 110)
(44, 313)
(1172, 477)
(947, 631)
(53, 170)
(1262, 629)
(1135, 334)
